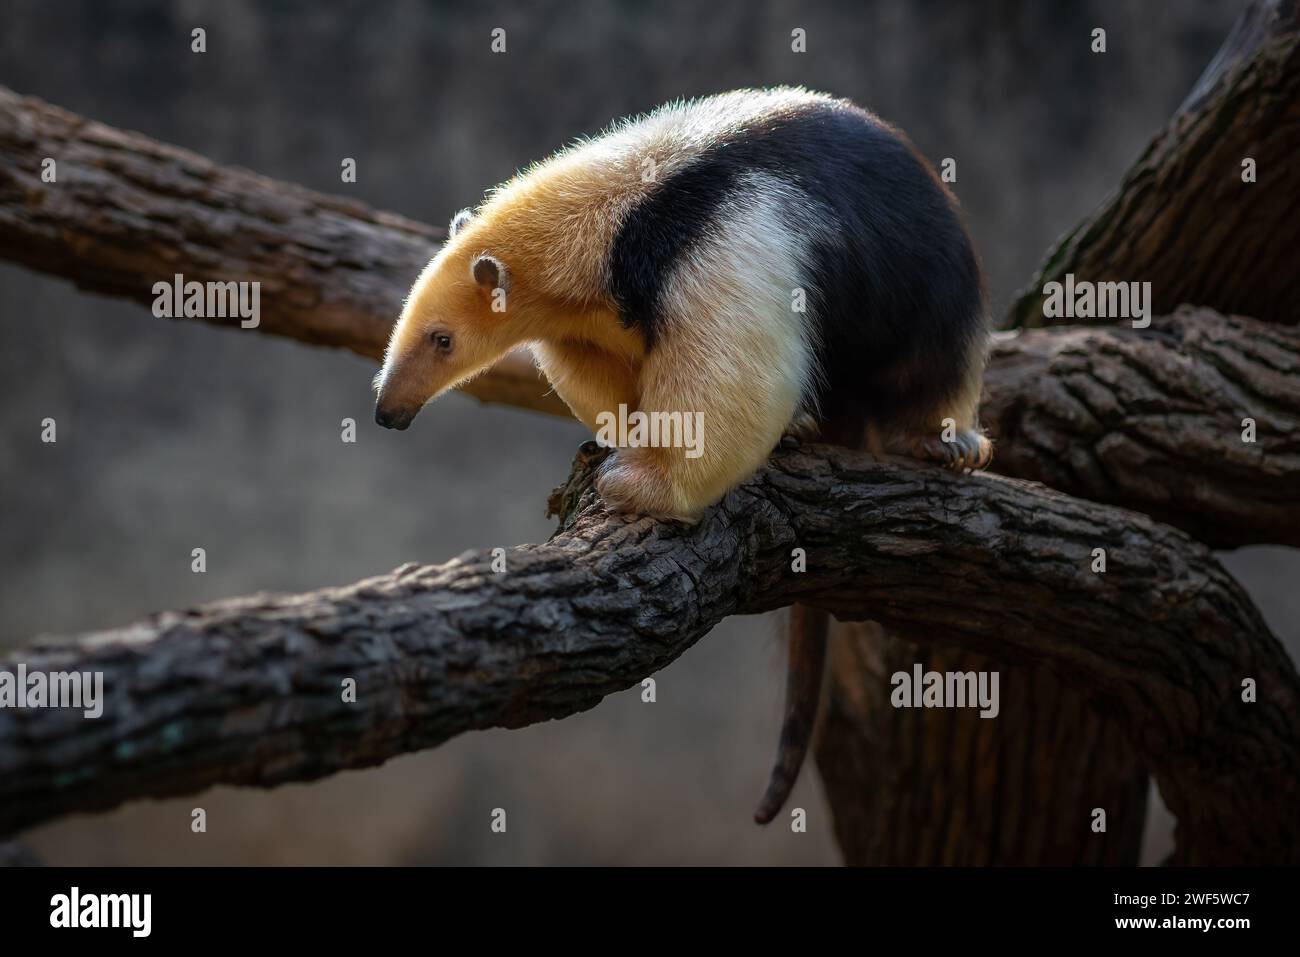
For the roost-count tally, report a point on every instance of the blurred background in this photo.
(174, 435)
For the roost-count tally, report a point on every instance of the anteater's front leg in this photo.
(719, 415)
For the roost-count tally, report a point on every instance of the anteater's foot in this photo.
(968, 450)
(802, 428)
(635, 485)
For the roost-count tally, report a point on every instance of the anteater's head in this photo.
(457, 321)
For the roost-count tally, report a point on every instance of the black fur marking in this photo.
(671, 220)
(895, 288)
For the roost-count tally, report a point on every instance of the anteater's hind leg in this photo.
(949, 434)
(966, 449)
(804, 427)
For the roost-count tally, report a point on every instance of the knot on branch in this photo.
(566, 501)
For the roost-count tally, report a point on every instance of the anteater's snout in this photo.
(393, 418)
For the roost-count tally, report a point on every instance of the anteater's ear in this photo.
(458, 222)
(491, 273)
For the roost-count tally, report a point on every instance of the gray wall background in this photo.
(176, 435)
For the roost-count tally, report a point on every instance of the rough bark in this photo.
(943, 787)
(126, 211)
(1154, 419)
(1182, 218)
(248, 691)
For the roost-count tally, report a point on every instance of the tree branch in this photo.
(1182, 218)
(127, 211)
(1152, 420)
(248, 691)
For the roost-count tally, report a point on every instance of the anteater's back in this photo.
(893, 289)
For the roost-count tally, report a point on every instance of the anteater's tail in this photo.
(803, 687)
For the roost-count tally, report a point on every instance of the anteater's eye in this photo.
(441, 340)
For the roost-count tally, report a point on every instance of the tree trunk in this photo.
(946, 787)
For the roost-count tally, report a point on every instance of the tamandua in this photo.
(769, 261)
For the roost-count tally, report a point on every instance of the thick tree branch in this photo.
(1183, 218)
(248, 691)
(1153, 419)
(126, 211)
